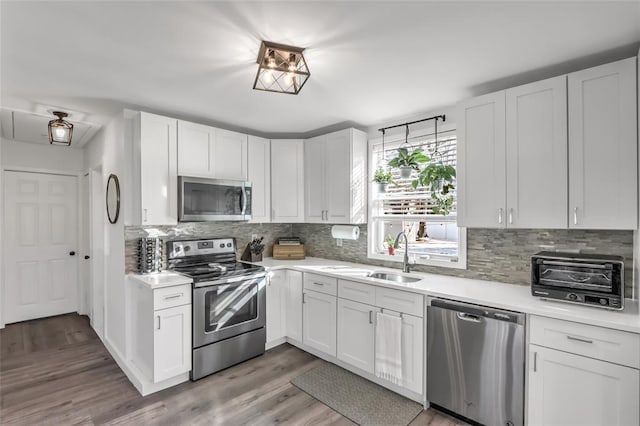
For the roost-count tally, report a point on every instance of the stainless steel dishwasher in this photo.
(475, 362)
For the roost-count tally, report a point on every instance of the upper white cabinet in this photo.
(259, 174)
(603, 161)
(154, 158)
(335, 177)
(536, 143)
(206, 151)
(481, 162)
(287, 180)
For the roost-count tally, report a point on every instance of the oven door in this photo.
(213, 199)
(226, 310)
(577, 276)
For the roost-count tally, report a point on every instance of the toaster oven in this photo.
(588, 279)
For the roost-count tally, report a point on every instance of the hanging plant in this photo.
(382, 179)
(406, 162)
(439, 179)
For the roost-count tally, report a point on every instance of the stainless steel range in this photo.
(229, 303)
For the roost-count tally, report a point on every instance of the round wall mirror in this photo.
(113, 198)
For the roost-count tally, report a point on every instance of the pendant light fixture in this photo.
(281, 68)
(60, 130)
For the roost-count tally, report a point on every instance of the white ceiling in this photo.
(370, 62)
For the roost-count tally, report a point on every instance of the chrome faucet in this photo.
(405, 263)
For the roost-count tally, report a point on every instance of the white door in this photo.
(40, 248)
(314, 179)
(603, 161)
(259, 174)
(171, 342)
(537, 167)
(356, 332)
(287, 180)
(481, 162)
(294, 305)
(338, 177)
(567, 389)
(319, 321)
(195, 146)
(229, 158)
(275, 308)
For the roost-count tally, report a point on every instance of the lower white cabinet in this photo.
(356, 334)
(412, 352)
(294, 305)
(567, 389)
(172, 342)
(277, 289)
(319, 321)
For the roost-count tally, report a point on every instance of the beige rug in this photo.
(358, 399)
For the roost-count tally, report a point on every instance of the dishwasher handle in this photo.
(468, 317)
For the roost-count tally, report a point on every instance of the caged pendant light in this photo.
(60, 130)
(281, 69)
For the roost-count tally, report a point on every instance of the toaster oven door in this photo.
(576, 275)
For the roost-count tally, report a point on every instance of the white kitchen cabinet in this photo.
(536, 155)
(567, 389)
(259, 174)
(335, 177)
(356, 333)
(412, 352)
(481, 154)
(319, 321)
(603, 161)
(172, 342)
(276, 296)
(287, 180)
(206, 151)
(294, 306)
(154, 186)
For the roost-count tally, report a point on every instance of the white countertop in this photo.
(161, 279)
(489, 293)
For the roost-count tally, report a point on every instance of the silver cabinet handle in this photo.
(578, 339)
(500, 215)
(318, 283)
(158, 322)
(510, 216)
(145, 215)
(370, 317)
(535, 362)
(174, 296)
(303, 300)
(575, 215)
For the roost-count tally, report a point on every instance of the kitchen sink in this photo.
(389, 276)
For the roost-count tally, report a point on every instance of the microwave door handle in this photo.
(243, 200)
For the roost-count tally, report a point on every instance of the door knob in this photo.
(87, 257)
(72, 253)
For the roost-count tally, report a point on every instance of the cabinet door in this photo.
(603, 161)
(412, 352)
(287, 180)
(356, 334)
(259, 174)
(172, 342)
(229, 157)
(481, 162)
(319, 321)
(314, 179)
(195, 143)
(537, 165)
(567, 389)
(338, 177)
(275, 305)
(294, 305)
(158, 170)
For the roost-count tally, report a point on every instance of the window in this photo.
(428, 219)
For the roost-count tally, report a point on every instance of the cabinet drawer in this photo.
(169, 297)
(358, 292)
(606, 344)
(400, 301)
(321, 284)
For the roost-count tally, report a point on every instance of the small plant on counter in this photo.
(407, 162)
(382, 179)
(390, 241)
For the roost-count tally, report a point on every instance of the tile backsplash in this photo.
(492, 254)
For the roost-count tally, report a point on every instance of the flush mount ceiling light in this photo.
(60, 130)
(281, 68)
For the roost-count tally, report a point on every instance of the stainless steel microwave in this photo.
(207, 200)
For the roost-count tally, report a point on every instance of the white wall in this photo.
(41, 156)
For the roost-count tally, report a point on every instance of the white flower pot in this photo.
(381, 186)
(405, 172)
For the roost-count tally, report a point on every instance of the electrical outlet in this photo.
(339, 242)
(254, 237)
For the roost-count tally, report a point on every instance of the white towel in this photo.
(389, 347)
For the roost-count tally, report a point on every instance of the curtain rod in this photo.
(435, 117)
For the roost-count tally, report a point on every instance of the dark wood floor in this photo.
(56, 371)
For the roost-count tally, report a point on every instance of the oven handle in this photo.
(580, 265)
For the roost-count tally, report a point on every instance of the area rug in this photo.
(356, 398)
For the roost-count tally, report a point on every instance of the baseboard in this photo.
(371, 377)
(277, 342)
(142, 384)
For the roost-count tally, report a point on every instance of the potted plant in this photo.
(439, 178)
(389, 241)
(382, 179)
(407, 162)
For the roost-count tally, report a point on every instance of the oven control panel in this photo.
(177, 249)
